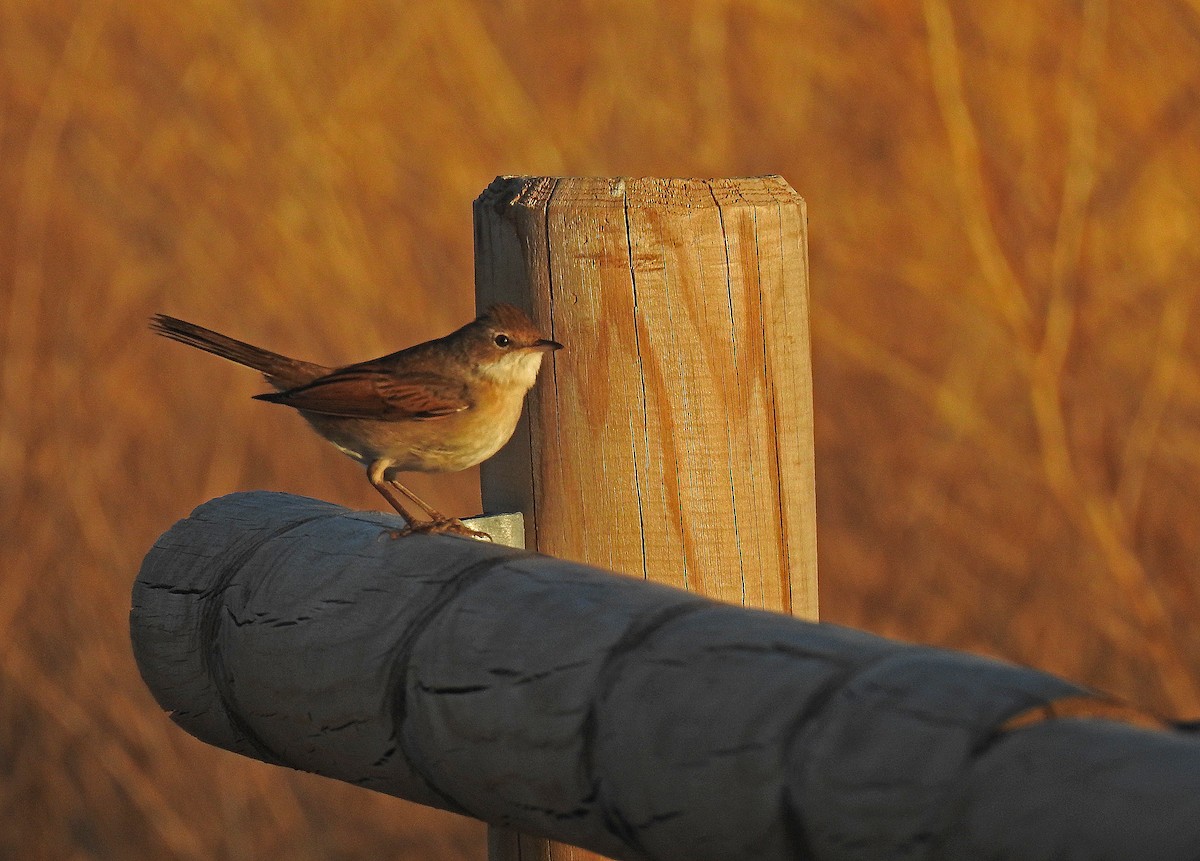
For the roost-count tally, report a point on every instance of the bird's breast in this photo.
(445, 444)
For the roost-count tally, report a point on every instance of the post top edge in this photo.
(531, 192)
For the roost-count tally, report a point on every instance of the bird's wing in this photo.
(368, 392)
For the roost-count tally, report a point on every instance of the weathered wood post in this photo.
(673, 436)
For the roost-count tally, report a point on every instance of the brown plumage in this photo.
(440, 406)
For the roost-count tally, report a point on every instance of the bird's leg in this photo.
(433, 513)
(438, 523)
(375, 473)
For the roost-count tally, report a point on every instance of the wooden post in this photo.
(672, 439)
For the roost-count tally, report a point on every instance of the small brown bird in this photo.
(440, 406)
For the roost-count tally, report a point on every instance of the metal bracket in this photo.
(506, 529)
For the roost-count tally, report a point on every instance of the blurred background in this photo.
(1005, 237)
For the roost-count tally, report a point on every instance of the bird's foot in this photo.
(442, 526)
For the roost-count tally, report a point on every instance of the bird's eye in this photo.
(502, 340)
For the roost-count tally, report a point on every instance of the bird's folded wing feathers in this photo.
(376, 394)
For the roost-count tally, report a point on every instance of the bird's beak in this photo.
(544, 344)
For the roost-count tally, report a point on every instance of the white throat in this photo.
(515, 369)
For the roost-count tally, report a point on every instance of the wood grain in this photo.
(672, 439)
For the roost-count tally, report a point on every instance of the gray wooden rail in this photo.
(632, 719)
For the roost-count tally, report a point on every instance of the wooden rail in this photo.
(630, 718)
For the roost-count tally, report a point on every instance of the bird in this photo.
(439, 406)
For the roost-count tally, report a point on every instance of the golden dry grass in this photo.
(1005, 249)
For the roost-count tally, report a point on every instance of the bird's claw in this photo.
(443, 526)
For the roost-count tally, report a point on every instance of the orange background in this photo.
(1005, 237)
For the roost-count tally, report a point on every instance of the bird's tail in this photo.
(281, 371)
